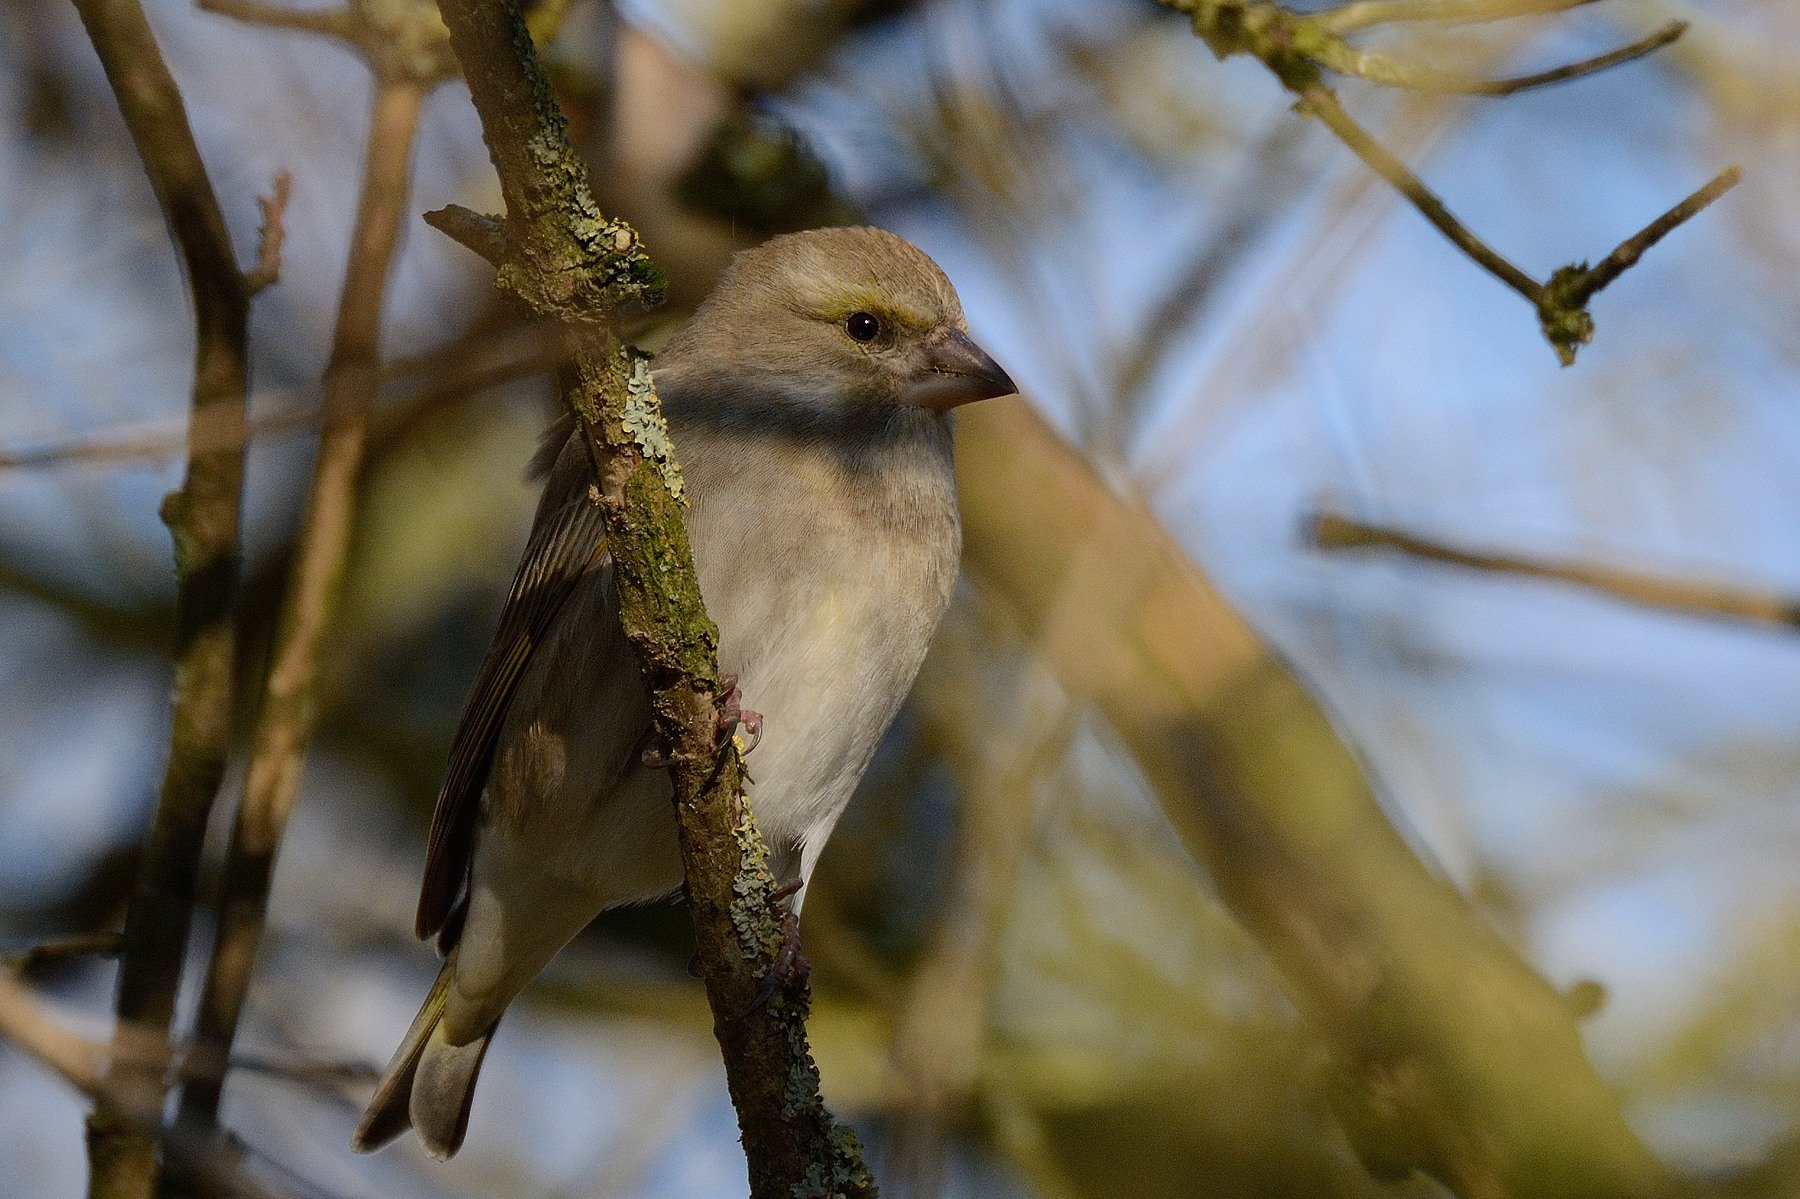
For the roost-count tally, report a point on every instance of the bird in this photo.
(809, 401)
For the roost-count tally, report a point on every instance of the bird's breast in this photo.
(826, 577)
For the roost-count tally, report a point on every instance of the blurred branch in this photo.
(564, 260)
(349, 387)
(941, 1020)
(1366, 14)
(1333, 532)
(95, 945)
(483, 358)
(403, 40)
(203, 519)
(1459, 1060)
(270, 238)
(1299, 48)
(215, 1167)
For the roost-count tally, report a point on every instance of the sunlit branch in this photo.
(1298, 48)
(1335, 532)
(1366, 14)
(1392, 72)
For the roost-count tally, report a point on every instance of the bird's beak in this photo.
(957, 372)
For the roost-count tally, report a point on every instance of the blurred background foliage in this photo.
(1026, 984)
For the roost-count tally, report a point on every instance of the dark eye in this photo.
(862, 326)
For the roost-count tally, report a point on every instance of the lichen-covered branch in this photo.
(562, 258)
(203, 519)
(352, 377)
(1300, 48)
(1690, 597)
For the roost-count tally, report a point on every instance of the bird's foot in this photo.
(789, 966)
(656, 754)
(733, 715)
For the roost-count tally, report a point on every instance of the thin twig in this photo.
(339, 23)
(467, 366)
(267, 271)
(564, 261)
(94, 945)
(1392, 72)
(1592, 279)
(1690, 597)
(1322, 103)
(1297, 48)
(1366, 14)
(203, 518)
(285, 722)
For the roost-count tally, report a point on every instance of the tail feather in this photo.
(443, 1090)
(429, 1083)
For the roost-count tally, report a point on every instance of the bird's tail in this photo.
(430, 1083)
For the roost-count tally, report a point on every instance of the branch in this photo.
(203, 518)
(1366, 14)
(267, 271)
(349, 388)
(1456, 1059)
(563, 259)
(1379, 68)
(216, 1167)
(1297, 48)
(93, 945)
(1333, 532)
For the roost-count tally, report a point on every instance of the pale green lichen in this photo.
(758, 930)
(643, 420)
(843, 1177)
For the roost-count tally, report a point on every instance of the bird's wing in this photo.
(567, 544)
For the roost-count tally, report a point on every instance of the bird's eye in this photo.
(862, 326)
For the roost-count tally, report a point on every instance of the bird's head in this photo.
(836, 317)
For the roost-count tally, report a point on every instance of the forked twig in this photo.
(1299, 48)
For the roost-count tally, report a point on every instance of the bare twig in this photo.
(1382, 69)
(1298, 48)
(1322, 103)
(203, 519)
(337, 23)
(482, 359)
(565, 261)
(1335, 532)
(1366, 14)
(95, 945)
(285, 721)
(267, 271)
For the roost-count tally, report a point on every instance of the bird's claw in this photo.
(733, 715)
(656, 754)
(789, 966)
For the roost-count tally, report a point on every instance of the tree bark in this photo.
(203, 519)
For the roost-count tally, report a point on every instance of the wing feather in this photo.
(567, 545)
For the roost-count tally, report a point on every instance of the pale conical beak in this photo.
(957, 372)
